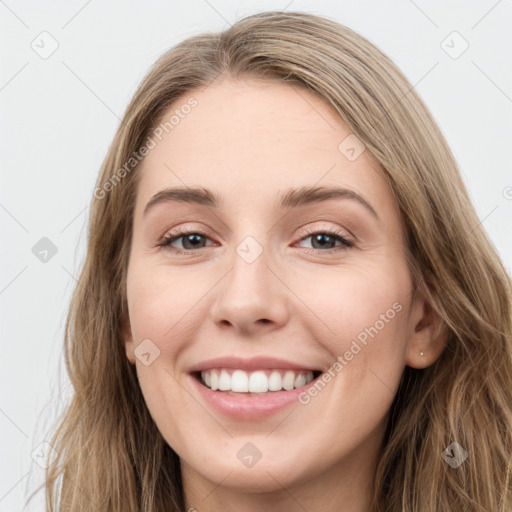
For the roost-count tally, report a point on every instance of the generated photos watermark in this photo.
(149, 144)
(341, 361)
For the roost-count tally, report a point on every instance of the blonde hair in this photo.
(111, 455)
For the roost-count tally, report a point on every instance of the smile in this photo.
(250, 389)
(259, 381)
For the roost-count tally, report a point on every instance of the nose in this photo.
(251, 299)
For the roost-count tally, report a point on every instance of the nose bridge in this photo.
(250, 292)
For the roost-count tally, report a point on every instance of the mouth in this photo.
(251, 389)
(238, 382)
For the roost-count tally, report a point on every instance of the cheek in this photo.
(366, 313)
(165, 308)
(363, 315)
(155, 308)
(157, 300)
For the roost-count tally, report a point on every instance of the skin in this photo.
(249, 141)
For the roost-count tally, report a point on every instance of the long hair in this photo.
(111, 455)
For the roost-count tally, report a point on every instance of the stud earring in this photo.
(422, 354)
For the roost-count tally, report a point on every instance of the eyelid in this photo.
(327, 229)
(187, 228)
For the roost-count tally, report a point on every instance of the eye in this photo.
(191, 240)
(324, 239)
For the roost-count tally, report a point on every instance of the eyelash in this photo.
(180, 233)
(345, 244)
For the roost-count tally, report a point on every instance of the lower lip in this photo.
(252, 408)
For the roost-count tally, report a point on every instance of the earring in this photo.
(422, 354)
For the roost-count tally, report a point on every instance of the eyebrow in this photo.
(290, 199)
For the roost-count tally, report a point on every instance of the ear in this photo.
(128, 340)
(427, 334)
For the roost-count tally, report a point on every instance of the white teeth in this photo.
(224, 381)
(300, 380)
(260, 381)
(275, 382)
(214, 381)
(289, 380)
(239, 382)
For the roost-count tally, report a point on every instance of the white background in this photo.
(58, 117)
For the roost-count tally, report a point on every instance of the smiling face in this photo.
(274, 282)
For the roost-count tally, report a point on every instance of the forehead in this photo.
(252, 139)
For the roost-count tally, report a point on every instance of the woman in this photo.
(218, 362)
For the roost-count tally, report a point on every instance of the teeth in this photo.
(289, 380)
(239, 381)
(275, 382)
(224, 381)
(259, 381)
(214, 380)
(300, 381)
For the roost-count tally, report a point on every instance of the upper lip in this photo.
(254, 363)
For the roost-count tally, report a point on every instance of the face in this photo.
(308, 294)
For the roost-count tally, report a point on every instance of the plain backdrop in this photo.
(68, 71)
